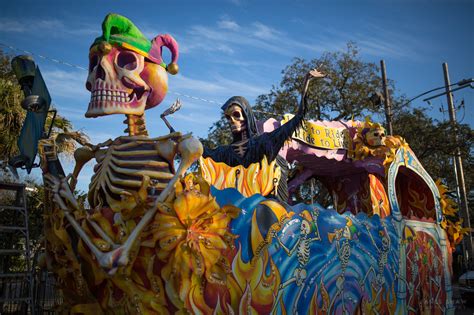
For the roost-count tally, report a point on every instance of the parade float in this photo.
(157, 238)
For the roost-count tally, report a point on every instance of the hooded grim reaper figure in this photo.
(249, 146)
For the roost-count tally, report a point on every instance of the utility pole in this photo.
(388, 107)
(464, 206)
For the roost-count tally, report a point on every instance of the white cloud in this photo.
(230, 38)
(220, 86)
(257, 35)
(375, 40)
(225, 49)
(52, 27)
(195, 118)
(75, 114)
(228, 24)
(233, 86)
(265, 32)
(9, 26)
(66, 83)
(183, 83)
(236, 2)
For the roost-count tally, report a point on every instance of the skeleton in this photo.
(238, 125)
(189, 148)
(343, 249)
(303, 250)
(381, 263)
(414, 275)
(437, 278)
(134, 175)
(250, 145)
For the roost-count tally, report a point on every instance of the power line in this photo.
(44, 57)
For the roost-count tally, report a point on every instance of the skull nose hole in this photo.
(100, 73)
(93, 61)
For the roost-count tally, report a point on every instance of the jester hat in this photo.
(118, 30)
(308, 217)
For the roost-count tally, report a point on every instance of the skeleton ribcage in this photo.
(344, 254)
(122, 166)
(304, 251)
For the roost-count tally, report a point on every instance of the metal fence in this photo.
(47, 296)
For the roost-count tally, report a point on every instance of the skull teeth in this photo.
(104, 95)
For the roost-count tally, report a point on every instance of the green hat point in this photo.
(119, 30)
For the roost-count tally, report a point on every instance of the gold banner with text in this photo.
(320, 136)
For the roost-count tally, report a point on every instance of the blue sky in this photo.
(239, 47)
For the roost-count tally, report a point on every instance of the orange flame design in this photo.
(251, 289)
(379, 199)
(257, 178)
(385, 304)
(418, 203)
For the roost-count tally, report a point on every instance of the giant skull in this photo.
(121, 81)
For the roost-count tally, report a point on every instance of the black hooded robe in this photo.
(259, 145)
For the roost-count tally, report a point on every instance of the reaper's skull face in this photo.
(375, 137)
(236, 118)
(123, 82)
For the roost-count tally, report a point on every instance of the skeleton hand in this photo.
(314, 73)
(172, 109)
(61, 190)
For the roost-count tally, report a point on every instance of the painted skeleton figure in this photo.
(134, 174)
(383, 251)
(309, 225)
(341, 237)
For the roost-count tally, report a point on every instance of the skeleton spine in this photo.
(136, 125)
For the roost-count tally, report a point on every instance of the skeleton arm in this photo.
(276, 139)
(289, 252)
(371, 237)
(83, 155)
(317, 238)
(311, 74)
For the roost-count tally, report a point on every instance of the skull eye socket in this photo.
(126, 60)
(376, 134)
(93, 61)
(236, 114)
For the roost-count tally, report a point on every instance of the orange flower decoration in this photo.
(193, 239)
